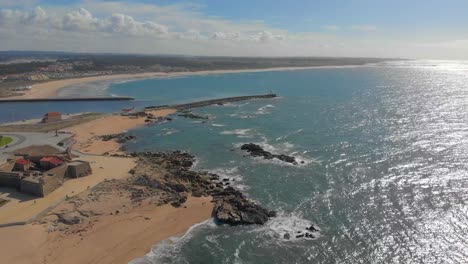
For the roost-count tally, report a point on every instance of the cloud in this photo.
(10, 17)
(224, 35)
(80, 20)
(364, 27)
(267, 36)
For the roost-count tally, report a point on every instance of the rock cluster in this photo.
(160, 178)
(192, 115)
(257, 151)
(177, 180)
(119, 138)
(233, 208)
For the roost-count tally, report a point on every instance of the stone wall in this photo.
(9, 179)
(31, 186)
(53, 179)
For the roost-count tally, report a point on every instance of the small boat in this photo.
(126, 110)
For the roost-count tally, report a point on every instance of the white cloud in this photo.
(225, 35)
(80, 20)
(267, 36)
(364, 27)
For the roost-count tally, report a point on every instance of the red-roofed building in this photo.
(48, 163)
(52, 117)
(22, 165)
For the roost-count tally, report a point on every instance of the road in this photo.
(25, 139)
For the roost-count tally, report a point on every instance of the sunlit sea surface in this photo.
(386, 162)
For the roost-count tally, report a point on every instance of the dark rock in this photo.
(176, 204)
(192, 116)
(272, 214)
(233, 208)
(299, 236)
(257, 151)
(71, 218)
(287, 236)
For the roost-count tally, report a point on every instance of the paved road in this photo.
(25, 139)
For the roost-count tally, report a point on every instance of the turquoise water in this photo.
(385, 174)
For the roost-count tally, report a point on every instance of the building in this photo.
(22, 165)
(77, 169)
(48, 163)
(51, 117)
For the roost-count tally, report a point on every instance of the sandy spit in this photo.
(87, 134)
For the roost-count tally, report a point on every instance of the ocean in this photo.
(385, 151)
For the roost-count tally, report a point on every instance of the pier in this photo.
(213, 102)
(66, 99)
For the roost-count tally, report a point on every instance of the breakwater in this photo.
(66, 99)
(219, 101)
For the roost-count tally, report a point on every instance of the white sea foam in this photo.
(169, 131)
(218, 125)
(171, 246)
(290, 134)
(292, 224)
(232, 173)
(264, 109)
(241, 133)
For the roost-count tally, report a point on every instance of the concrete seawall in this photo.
(66, 99)
(213, 102)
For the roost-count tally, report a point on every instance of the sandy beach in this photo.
(107, 239)
(87, 134)
(51, 89)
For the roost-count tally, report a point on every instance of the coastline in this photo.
(51, 89)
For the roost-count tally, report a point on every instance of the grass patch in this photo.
(5, 141)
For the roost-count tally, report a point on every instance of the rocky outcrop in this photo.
(192, 116)
(177, 180)
(257, 151)
(119, 138)
(233, 208)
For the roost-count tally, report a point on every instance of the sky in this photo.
(422, 29)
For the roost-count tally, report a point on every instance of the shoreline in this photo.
(108, 239)
(51, 89)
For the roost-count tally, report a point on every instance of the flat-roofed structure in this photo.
(52, 117)
(78, 168)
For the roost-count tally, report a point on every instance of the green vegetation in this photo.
(5, 141)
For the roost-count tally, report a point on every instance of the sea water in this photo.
(385, 173)
(385, 151)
